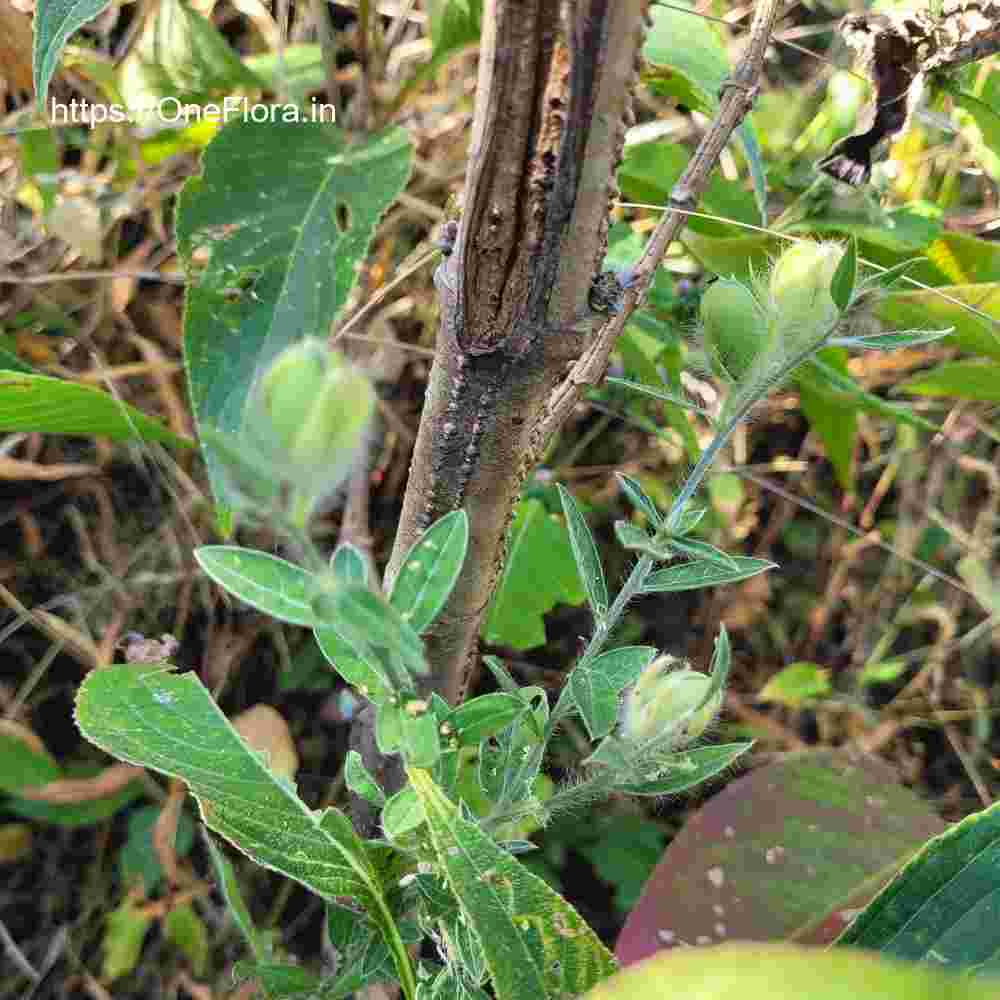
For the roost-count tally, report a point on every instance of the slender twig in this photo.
(735, 103)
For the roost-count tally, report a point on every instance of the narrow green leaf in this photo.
(360, 781)
(270, 584)
(430, 570)
(55, 21)
(941, 907)
(689, 769)
(356, 667)
(696, 575)
(689, 519)
(845, 277)
(694, 548)
(596, 687)
(54, 406)
(483, 717)
(630, 536)
(588, 561)
(638, 498)
(986, 118)
(892, 340)
(534, 943)
(979, 380)
(349, 564)
(368, 622)
(657, 393)
(225, 880)
(388, 726)
(402, 814)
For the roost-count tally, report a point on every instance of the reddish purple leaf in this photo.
(791, 850)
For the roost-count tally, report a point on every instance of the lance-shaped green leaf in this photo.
(55, 21)
(483, 717)
(630, 536)
(349, 564)
(419, 739)
(535, 944)
(148, 716)
(845, 277)
(402, 814)
(638, 498)
(588, 561)
(371, 626)
(689, 519)
(694, 548)
(942, 907)
(270, 584)
(702, 573)
(357, 667)
(225, 879)
(596, 686)
(430, 570)
(688, 769)
(30, 402)
(891, 340)
(360, 781)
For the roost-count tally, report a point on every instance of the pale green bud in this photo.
(800, 283)
(657, 706)
(306, 418)
(735, 328)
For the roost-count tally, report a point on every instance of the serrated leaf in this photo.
(55, 21)
(689, 769)
(360, 781)
(54, 406)
(596, 686)
(266, 582)
(154, 718)
(845, 277)
(699, 574)
(538, 574)
(298, 250)
(941, 907)
(588, 560)
(430, 570)
(349, 565)
(483, 717)
(534, 943)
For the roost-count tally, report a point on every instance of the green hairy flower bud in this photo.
(659, 703)
(306, 418)
(735, 328)
(800, 283)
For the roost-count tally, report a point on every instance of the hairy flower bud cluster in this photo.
(751, 331)
(303, 424)
(668, 702)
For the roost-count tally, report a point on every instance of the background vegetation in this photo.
(872, 482)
